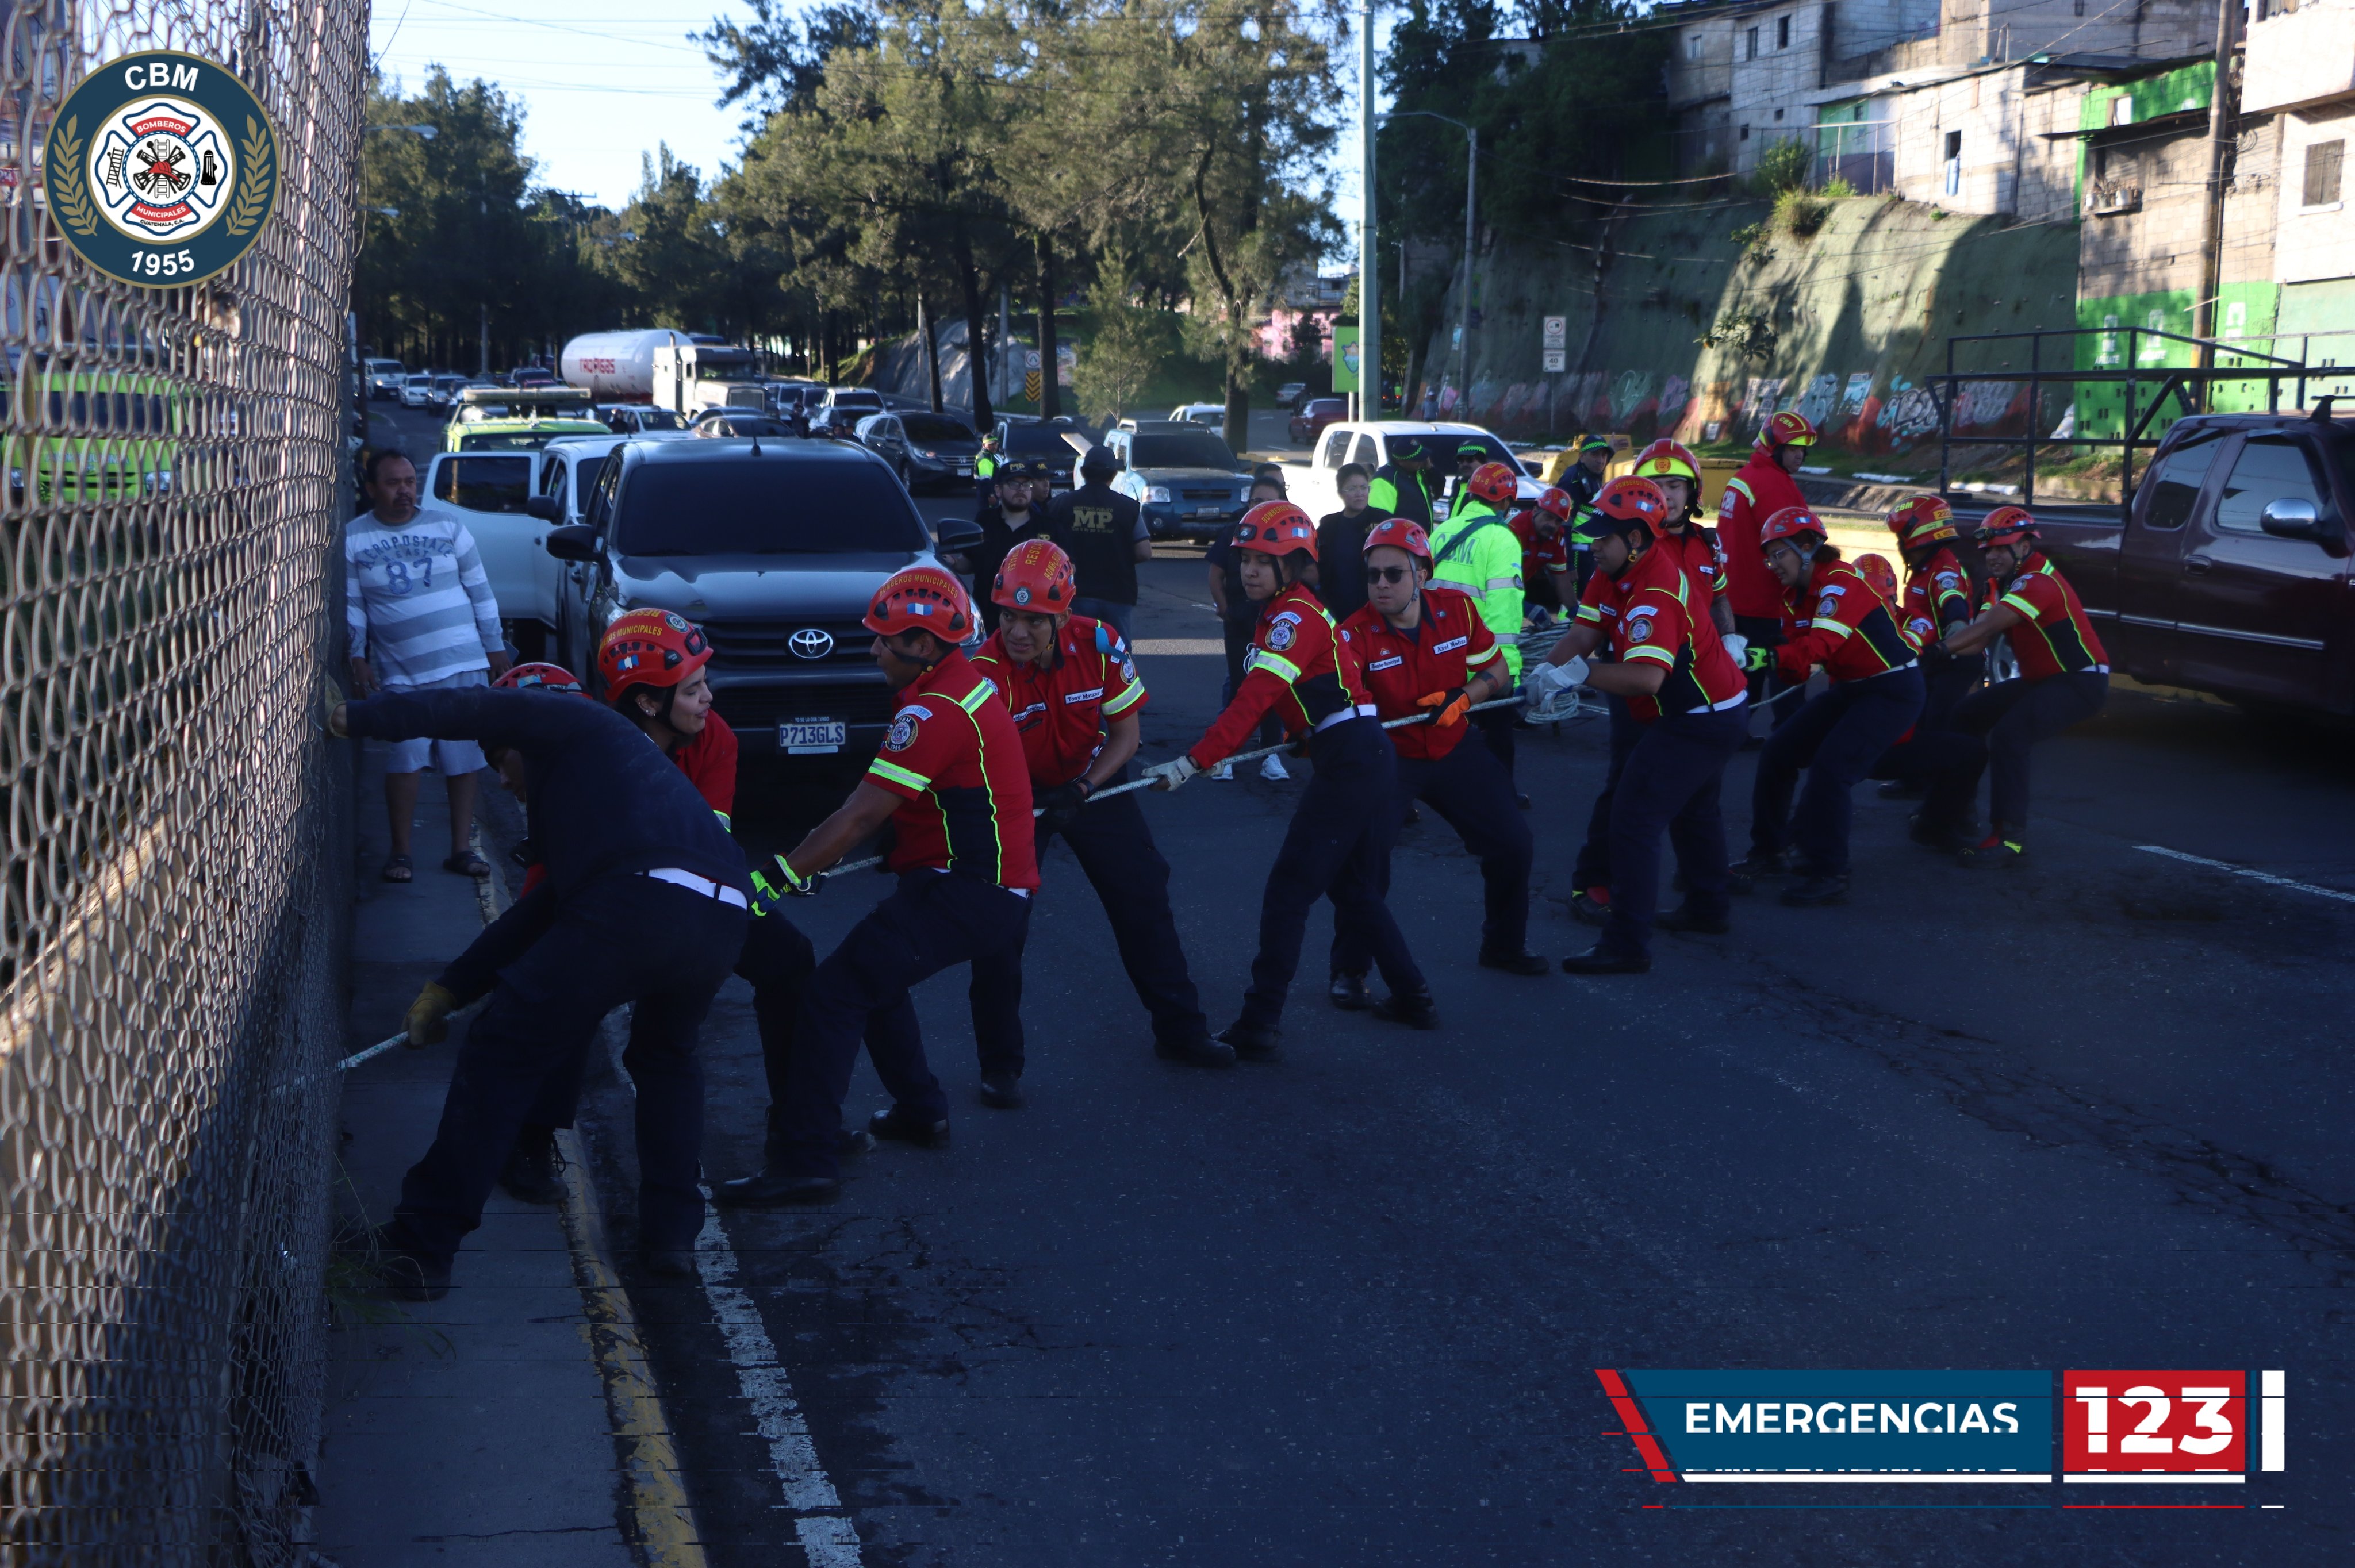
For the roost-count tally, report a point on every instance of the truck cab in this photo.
(490, 492)
(2229, 571)
(1315, 485)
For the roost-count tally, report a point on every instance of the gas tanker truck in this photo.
(657, 365)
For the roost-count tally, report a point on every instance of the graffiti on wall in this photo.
(1815, 403)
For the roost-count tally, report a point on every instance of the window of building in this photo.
(2324, 160)
(1692, 45)
(1782, 32)
(1954, 144)
(1778, 114)
(2081, 7)
(1749, 44)
(1745, 133)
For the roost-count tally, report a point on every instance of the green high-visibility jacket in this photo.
(1476, 550)
(985, 465)
(1398, 493)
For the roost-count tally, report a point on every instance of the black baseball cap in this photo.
(1405, 450)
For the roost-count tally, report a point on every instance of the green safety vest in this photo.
(1476, 550)
(984, 464)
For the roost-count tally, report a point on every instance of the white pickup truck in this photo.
(487, 491)
(1316, 484)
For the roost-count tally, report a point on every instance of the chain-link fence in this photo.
(176, 859)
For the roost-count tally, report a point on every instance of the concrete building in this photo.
(2299, 69)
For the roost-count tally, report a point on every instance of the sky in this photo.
(602, 81)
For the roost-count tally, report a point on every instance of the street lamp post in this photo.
(1471, 189)
(1369, 309)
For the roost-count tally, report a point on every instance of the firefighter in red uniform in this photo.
(1675, 473)
(1309, 674)
(1073, 689)
(2064, 674)
(1936, 599)
(1689, 699)
(1426, 651)
(1757, 490)
(952, 781)
(1543, 528)
(1833, 618)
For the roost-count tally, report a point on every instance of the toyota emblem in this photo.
(809, 643)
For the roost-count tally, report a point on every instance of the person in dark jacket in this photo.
(1341, 540)
(1103, 533)
(1016, 518)
(644, 902)
(1402, 486)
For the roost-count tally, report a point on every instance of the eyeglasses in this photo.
(1388, 573)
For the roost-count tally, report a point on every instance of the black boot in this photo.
(891, 1126)
(1348, 992)
(1255, 1042)
(773, 1188)
(1522, 962)
(1943, 837)
(1746, 873)
(1602, 960)
(533, 1170)
(1816, 891)
(1682, 919)
(1197, 1050)
(1414, 1009)
(1001, 1091)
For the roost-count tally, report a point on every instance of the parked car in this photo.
(1185, 479)
(2230, 571)
(1316, 484)
(736, 424)
(384, 377)
(1198, 414)
(442, 394)
(1313, 416)
(1288, 395)
(417, 391)
(491, 491)
(844, 407)
(640, 419)
(923, 448)
(775, 550)
(531, 375)
(1057, 442)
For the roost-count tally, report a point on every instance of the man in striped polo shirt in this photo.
(422, 617)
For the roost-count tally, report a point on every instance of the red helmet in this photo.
(1876, 571)
(1035, 576)
(1629, 501)
(1557, 503)
(540, 678)
(1665, 460)
(920, 598)
(1400, 534)
(1924, 520)
(1494, 482)
(2006, 526)
(1788, 429)
(1276, 529)
(1789, 524)
(649, 648)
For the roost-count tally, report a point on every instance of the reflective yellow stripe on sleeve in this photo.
(1276, 664)
(1647, 652)
(1125, 701)
(1834, 626)
(899, 775)
(2021, 604)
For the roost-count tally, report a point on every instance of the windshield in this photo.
(857, 400)
(484, 484)
(507, 442)
(1497, 450)
(1183, 449)
(1045, 438)
(765, 506)
(935, 427)
(659, 419)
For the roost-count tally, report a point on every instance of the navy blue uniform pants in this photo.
(1670, 785)
(1470, 790)
(619, 939)
(1594, 867)
(776, 960)
(1837, 737)
(2014, 715)
(931, 921)
(1945, 683)
(1338, 846)
(1495, 726)
(1117, 854)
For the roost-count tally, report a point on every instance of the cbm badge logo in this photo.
(161, 169)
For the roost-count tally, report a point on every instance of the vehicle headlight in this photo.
(1157, 495)
(926, 452)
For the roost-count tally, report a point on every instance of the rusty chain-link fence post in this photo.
(175, 885)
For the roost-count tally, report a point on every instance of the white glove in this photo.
(1736, 645)
(1169, 775)
(1547, 681)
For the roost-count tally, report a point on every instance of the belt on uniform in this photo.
(1342, 715)
(703, 885)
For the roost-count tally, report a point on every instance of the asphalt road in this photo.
(1347, 1307)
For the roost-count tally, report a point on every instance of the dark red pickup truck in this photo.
(2230, 571)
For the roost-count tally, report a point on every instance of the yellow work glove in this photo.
(429, 1016)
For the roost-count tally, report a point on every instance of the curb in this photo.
(657, 1518)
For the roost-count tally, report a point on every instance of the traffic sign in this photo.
(1556, 334)
(1556, 360)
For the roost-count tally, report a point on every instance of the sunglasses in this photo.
(1388, 574)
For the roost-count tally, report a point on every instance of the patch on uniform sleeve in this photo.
(1127, 667)
(1827, 608)
(1281, 634)
(902, 733)
(1951, 580)
(1639, 628)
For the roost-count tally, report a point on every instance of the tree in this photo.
(775, 64)
(1119, 360)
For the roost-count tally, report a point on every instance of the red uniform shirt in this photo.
(1301, 667)
(1540, 554)
(955, 762)
(1696, 551)
(1837, 620)
(2053, 638)
(1060, 707)
(1449, 644)
(1937, 594)
(1665, 620)
(1758, 490)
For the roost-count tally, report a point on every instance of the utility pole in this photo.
(1369, 307)
(931, 358)
(1471, 179)
(2220, 102)
(483, 341)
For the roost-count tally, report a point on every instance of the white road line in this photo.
(829, 1540)
(2264, 876)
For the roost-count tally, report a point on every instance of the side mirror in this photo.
(2294, 517)
(957, 535)
(544, 507)
(574, 542)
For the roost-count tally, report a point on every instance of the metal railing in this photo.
(176, 855)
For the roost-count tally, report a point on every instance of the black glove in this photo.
(1058, 806)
